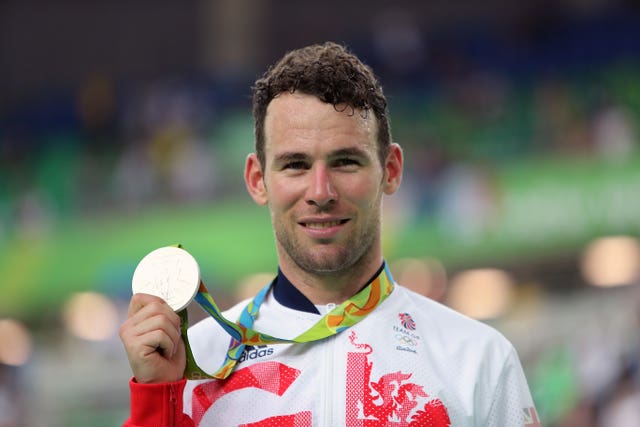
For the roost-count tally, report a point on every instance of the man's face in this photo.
(323, 182)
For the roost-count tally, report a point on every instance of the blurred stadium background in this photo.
(124, 127)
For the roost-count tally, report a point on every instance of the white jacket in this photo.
(412, 362)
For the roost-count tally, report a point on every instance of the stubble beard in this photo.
(338, 258)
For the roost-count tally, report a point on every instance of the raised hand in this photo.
(151, 338)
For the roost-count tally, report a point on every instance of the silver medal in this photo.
(170, 273)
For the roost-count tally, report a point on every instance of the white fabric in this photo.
(406, 357)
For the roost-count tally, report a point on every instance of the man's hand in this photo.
(151, 338)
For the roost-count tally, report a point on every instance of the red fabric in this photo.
(274, 377)
(299, 419)
(157, 405)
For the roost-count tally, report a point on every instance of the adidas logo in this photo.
(251, 352)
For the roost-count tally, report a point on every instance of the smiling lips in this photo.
(323, 224)
(323, 229)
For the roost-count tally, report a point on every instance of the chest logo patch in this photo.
(407, 321)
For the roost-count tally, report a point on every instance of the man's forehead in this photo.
(291, 102)
(298, 112)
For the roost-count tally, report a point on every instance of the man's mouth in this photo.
(324, 224)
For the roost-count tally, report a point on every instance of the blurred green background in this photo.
(124, 127)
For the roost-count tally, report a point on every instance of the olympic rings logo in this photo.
(406, 340)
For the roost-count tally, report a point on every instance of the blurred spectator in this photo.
(96, 105)
(10, 398)
(133, 176)
(399, 44)
(470, 202)
(622, 404)
(581, 415)
(560, 127)
(614, 134)
(33, 215)
(193, 171)
(427, 277)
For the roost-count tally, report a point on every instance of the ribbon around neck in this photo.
(242, 333)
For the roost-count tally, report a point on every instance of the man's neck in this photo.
(322, 289)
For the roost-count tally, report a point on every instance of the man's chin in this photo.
(326, 266)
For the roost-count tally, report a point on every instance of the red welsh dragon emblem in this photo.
(390, 401)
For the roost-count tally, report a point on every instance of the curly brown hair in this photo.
(332, 74)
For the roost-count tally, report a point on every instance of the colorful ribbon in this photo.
(242, 333)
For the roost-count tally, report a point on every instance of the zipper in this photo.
(173, 402)
(328, 376)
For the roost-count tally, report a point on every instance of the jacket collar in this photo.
(288, 295)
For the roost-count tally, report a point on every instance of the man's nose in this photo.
(320, 191)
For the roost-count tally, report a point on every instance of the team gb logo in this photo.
(407, 321)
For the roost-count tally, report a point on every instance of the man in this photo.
(324, 158)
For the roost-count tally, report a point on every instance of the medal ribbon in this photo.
(242, 333)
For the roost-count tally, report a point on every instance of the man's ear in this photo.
(393, 169)
(254, 180)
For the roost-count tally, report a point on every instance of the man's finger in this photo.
(138, 301)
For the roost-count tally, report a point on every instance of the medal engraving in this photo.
(170, 273)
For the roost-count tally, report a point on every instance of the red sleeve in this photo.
(157, 405)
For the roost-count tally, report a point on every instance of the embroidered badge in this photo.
(407, 321)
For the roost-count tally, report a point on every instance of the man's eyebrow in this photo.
(289, 156)
(350, 151)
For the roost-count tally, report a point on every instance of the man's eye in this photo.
(295, 165)
(346, 161)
